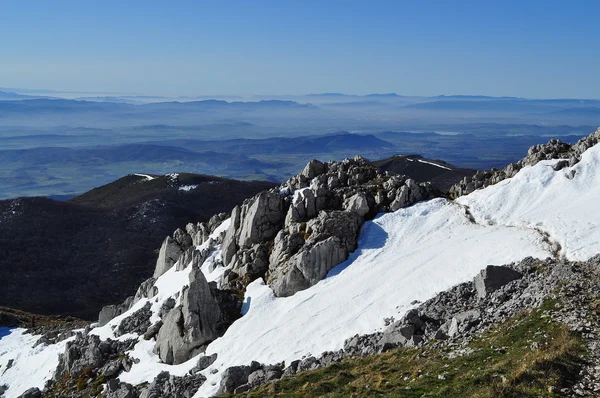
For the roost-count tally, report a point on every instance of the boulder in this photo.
(146, 290)
(493, 278)
(313, 169)
(358, 204)
(463, 322)
(118, 389)
(236, 376)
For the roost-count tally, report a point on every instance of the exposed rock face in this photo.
(203, 315)
(166, 385)
(299, 232)
(89, 352)
(494, 277)
(32, 393)
(554, 149)
(117, 389)
(146, 290)
(236, 376)
(261, 219)
(200, 232)
(137, 323)
(111, 311)
(171, 250)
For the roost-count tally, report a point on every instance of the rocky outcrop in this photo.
(238, 379)
(554, 149)
(117, 389)
(204, 314)
(86, 364)
(200, 232)
(295, 235)
(171, 250)
(111, 311)
(166, 385)
(136, 323)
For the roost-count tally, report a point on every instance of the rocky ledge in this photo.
(554, 149)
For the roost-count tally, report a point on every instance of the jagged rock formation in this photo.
(204, 314)
(554, 149)
(295, 235)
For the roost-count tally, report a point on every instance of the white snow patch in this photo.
(434, 164)
(188, 188)
(146, 176)
(539, 197)
(32, 366)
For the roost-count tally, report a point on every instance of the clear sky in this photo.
(541, 49)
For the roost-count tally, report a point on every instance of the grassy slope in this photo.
(505, 363)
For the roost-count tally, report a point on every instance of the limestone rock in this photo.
(188, 328)
(109, 312)
(165, 385)
(168, 256)
(313, 169)
(307, 267)
(492, 278)
(261, 219)
(358, 204)
(33, 392)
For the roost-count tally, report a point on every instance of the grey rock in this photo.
(236, 376)
(463, 322)
(203, 363)
(229, 246)
(145, 290)
(261, 219)
(153, 330)
(118, 389)
(167, 386)
(313, 169)
(494, 277)
(358, 204)
(33, 392)
(307, 267)
(168, 255)
(191, 326)
(137, 323)
(111, 369)
(110, 312)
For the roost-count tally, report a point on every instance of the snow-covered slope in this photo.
(403, 256)
(559, 203)
(31, 366)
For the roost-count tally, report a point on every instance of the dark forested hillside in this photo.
(73, 257)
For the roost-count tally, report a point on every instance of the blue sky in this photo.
(539, 49)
